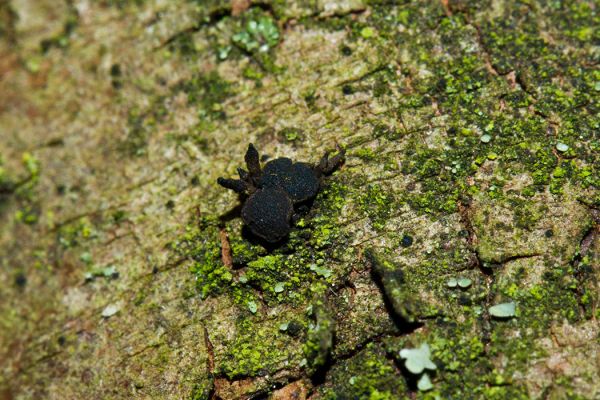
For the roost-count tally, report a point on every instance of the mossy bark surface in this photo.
(471, 181)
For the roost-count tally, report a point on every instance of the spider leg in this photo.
(236, 185)
(328, 165)
(243, 174)
(324, 161)
(252, 161)
(247, 179)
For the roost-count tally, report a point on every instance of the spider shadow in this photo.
(269, 246)
(235, 212)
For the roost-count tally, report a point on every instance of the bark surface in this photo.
(456, 254)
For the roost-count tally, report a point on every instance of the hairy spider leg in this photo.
(328, 165)
(243, 174)
(236, 185)
(252, 161)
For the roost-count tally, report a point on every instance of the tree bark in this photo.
(456, 253)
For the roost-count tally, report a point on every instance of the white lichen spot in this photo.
(110, 310)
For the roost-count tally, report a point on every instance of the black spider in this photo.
(273, 191)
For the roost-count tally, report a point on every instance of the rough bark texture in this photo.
(471, 180)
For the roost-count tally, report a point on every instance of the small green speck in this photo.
(492, 156)
(559, 172)
(33, 65)
(283, 326)
(452, 282)
(367, 32)
(485, 138)
(291, 136)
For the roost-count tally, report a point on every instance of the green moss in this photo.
(369, 374)
(253, 34)
(291, 134)
(258, 349)
(208, 91)
(203, 246)
(266, 272)
(462, 87)
(527, 214)
(25, 190)
(320, 333)
(76, 233)
(243, 252)
(203, 390)
(378, 204)
(542, 304)
(259, 34)
(366, 154)
(464, 366)
(389, 133)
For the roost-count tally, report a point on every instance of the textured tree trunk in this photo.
(455, 254)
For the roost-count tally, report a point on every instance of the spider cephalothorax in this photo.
(275, 190)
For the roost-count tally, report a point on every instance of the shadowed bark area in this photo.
(455, 254)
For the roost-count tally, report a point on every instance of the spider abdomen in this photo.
(267, 213)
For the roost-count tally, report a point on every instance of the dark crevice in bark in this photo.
(320, 377)
(362, 345)
(486, 269)
(523, 85)
(404, 327)
(378, 274)
(594, 208)
(518, 257)
(465, 220)
(583, 272)
(210, 364)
